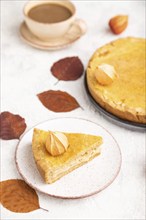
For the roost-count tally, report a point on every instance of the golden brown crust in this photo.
(132, 105)
(82, 148)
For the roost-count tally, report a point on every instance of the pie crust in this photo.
(126, 96)
(82, 148)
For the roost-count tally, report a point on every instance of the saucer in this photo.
(78, 29)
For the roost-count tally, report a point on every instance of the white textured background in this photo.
(26, 72)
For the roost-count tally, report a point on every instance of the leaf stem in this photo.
(56, 82)
(44, 209)
(82, 108)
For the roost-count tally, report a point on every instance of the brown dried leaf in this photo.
(17, 196)
(58, 101)
(11, 126)
(70, 68)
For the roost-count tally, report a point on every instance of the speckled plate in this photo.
(78, 29)
(86, 180)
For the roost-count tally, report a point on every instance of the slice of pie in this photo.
(82, 148)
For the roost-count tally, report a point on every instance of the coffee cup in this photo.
(47, 19)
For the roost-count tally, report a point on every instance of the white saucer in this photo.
(86, 180)
(78, 29)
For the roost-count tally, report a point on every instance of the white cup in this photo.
(46, 31)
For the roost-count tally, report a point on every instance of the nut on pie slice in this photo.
(81, 149)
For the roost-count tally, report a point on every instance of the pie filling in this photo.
(55, 174)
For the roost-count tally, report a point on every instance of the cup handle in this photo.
(82, 24)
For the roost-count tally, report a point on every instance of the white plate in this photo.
(87, 180)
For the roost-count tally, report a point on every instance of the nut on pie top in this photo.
(125, 96)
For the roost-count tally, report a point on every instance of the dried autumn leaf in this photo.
(17, 196)
(70, 68)
(58, 101)
(11, 126)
